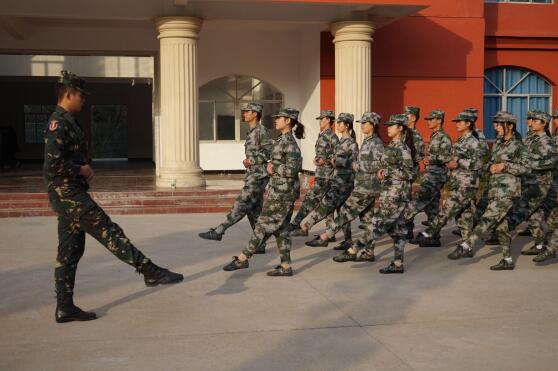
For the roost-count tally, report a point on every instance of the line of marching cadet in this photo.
(489, 192)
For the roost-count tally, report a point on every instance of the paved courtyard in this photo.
(439, 315)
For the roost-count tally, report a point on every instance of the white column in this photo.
(353, 70)
(179, 163)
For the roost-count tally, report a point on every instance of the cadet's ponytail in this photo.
(410, 141)
(298, 130)
(473, 129)
(377, 131)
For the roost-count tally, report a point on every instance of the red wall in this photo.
(434, 59)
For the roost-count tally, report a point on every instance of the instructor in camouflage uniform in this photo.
(285, 164)
(257, 149)
(67, 176)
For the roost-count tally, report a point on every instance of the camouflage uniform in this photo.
(463, 183)
(250, 200)
(503, 189)
(418, 141)
(367, 185)
(65, 153)
(435, 175)
(284, 191)
(398, 166)
(325, 150)
(342, 184)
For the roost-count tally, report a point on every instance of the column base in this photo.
(180, 178)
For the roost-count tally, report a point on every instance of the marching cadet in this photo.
(257, 149)
(367, 185)
(435, 175)
(67, 176)
(285, 164)
(396, 172)
(325, 152)
(463, 183)
(508, 162)
(342, 183)
(413, 115)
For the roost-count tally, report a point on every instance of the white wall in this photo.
(86, 66)
(288, 59)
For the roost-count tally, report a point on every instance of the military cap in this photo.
(555, 114)
(464, 116)
(473, 112)
(289, 113)
(326, 113)
(253, 106)
(371, 117)
(435, 114)
(503, 116)
(537, 114)
(412, 110)
(346, 117)
(72, 80)
(400, 119)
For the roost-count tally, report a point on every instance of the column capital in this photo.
(352, 31)
(181, 27)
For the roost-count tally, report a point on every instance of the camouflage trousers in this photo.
(273, 220)
(529, 208)
(248, 203)
(458, 205)
(312, 199)
(552, 220)
(360, 203)
(78, 215)
(338, 193)
(389, 218)
(428, 196)
(494, 217)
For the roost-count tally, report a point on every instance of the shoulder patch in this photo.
(53, 125)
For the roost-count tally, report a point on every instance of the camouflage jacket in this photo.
(287, 162)
(467, 153)
(258, 150)
(419, 145)
(397, 163)
(346, 153)
(542, 158)
(439, 149)
(513, 154)
(369, 162)
(325, 150)
(485, 151)
(65, 153)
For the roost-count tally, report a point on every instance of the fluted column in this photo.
(179, 164)
(353, 74)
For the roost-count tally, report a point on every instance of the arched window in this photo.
(220, 103)
(514, 90)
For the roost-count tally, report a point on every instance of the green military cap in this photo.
(371, 117)
(253, 106)
(326, 113)
(464, 116)
(289, 113)
(73, 81)
(503, 116)
(400, 119)
(435, 114)
(412, 110)
(537, 114)
(346, 117)
(555, 114)
(473, 112)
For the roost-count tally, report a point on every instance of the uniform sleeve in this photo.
(520, 163)
(442, 150)
(323, 148)
(397, 163)
(56, 164)
(293, 161)
(266, 146)
(343, 155)
(419, 146)
(468, 156)
(543, 155)
(370, 160)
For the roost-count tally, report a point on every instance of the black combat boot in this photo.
(531, 251)
(417, 239)
(66, 311)
(544, 255)
(211, 235)
(344, 246)
(432, 241)
(461, 252)
(492, 240)
(236, 264)
(279, 271)
(154, 275)
(410, 229)
(317, 242)
(392, 268)
(260, 249)
(456, 232)
(525, 233)
(344, 257)
(503, 265)
(366, 256)
(299, 232)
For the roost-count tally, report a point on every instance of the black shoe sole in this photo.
(392, 272)
(502, 269)
(74, 319)
(430, 244)
(210, 239)
(153, 284)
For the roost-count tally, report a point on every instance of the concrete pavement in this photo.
(439, 315)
